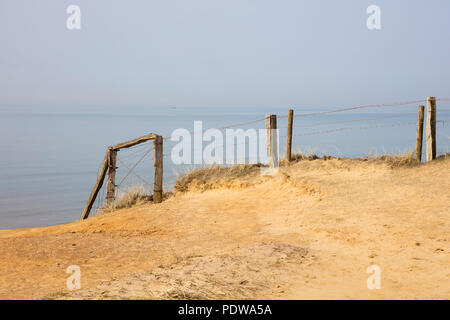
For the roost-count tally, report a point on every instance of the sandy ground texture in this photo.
(309, 232)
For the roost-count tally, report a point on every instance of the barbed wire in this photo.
(246, 142)
(131, 170)
(395, 104)
(242, 124)
(134, 157)
(134, 173)
(99, 201)
(360, 128)
(345, 121)
(138, 151)
(229, 126)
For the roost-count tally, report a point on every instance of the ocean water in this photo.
(49, 161)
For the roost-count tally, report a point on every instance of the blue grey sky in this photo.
(218, 54)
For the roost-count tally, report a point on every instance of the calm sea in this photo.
(49, 161)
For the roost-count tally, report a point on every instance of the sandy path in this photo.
(309, 232)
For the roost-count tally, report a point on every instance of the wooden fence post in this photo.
(97, 187)
(109, 166)
(419, 134)
(272, 139)
(431, 128)
(289, 135)
(111, 183)
(158, 183)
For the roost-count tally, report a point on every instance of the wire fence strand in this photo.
(134, 173)
(140, 152)
(345, 121)
(395, 104)
(135, 165)
(360, 128)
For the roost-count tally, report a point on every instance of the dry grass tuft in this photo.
(393, 161)
(304, 156)
(133, 195)
(300, 157)
(444, 156)
(396, 160)
(241, 175)
(214, 176)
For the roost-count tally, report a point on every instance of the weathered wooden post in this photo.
(97, 187)
(289, 135)
(431, 128)
(158, 183)
(419, 134)
(272, 139)
(111, 183)
(109, 165)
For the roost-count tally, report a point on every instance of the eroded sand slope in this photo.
(309, 232)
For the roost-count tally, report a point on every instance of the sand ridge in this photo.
(311, 231)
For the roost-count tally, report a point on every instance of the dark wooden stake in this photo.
(158, 183)
(111, 183)
(431, 128)
(97, 187)
(419, 134)
(272, 139)
(289, 135)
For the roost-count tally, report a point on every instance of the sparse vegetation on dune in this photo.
(393, 160)
(241, 175)
(444, 156)
(209, 177)
(396, 160)
(133, 195)
(309, 232)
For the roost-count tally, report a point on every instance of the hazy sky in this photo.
(217, 53)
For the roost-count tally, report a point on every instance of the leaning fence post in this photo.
(289, 135)
(431, 128)
(419, 134)
(272, 139)
(97, 187)
(111, 183)
(158, 183)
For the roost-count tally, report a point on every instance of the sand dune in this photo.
(311, 231)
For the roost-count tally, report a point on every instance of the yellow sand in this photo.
(309, 232)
